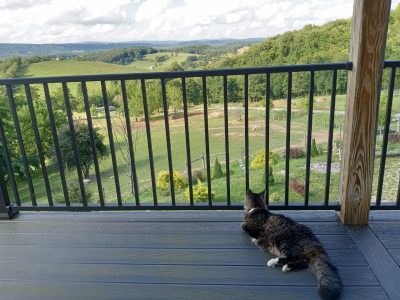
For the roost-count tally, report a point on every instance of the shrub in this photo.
(200, 193)
(270, 176)
(394, 138)
(296, 152)
(314, 149)
(217, 170)
(197, 174)
(163, 180)
(275, 197)
(74, 194)
(297, 187)
(259, 159)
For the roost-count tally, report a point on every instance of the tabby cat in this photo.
(294, 244)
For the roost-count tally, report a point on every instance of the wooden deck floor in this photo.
(184, 255)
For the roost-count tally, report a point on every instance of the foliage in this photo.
(259, 160)
(297, 187)
(163, 180)
(275, 197)
(197, 174)
(394, 138)
(74, 193)
(43, 125)
(200, 193)
(296, 152)
(217, 170)
(84, 148)
(271, 178)
(314, 148)
(122, 56)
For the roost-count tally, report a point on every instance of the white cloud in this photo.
(42, 21)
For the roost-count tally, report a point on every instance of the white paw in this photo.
(285, 268)
(254, 241)
(272, 262)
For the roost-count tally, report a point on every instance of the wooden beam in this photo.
(368, 41)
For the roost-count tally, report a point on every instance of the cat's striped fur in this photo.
(295, 244)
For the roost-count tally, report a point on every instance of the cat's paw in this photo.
(273, 262)
(286, 268)
(254, 241)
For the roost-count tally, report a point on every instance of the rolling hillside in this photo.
(312, 44)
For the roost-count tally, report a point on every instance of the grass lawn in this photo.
(217, 148)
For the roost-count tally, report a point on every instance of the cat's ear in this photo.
(249, 193)
(263, 199)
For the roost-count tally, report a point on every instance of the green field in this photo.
(197, 143)
(217, 149)
(74, 67)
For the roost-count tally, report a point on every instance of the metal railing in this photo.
(11, 185)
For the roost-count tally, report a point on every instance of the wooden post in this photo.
(368, 41)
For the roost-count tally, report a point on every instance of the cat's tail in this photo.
(329, 285)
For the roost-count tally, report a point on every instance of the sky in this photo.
(61, 21)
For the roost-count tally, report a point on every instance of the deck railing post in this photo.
(368, 41)
(5, 207)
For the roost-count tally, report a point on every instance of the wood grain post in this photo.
(368, 41)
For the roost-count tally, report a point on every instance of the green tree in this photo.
(217, 170)
(84, 147)
(193, 91)
(43, 125)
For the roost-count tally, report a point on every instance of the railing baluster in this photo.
(385, 137)
(149, 144)
(187, 139)
(38, 144)
(74, 142)
(21, 144)
(56, 143)
(4, 198)
(309, 138)
(207, 140)
(168, 140)
(130, 142)
(10, 169)
(246, 129)
(111, 141)
(92, 142)
(228, 182)
(288, 119)
(330, 138)
(267, 120)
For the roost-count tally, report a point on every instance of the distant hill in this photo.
(9, 50)
(312, 44)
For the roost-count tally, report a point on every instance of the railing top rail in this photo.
(179, 74)
(391, 63)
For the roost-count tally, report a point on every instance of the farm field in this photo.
(217, 149)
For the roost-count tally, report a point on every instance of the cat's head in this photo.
(254, 200)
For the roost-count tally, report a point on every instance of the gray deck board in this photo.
(169, 255)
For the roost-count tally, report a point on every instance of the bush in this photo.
(259, 159)
(200, 193)
(275, 197)
(217, 170)
(296, 152)
(394, 138)
(197, 174)
(74, 194)
(314, 149)
(297, 187)
(163, 180)
(270, 176)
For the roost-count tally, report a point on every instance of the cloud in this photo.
(44, 21)
(16, 4)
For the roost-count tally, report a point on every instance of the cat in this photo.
(294, 244)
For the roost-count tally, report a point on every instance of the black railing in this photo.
(392, 66)
(12, 186)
